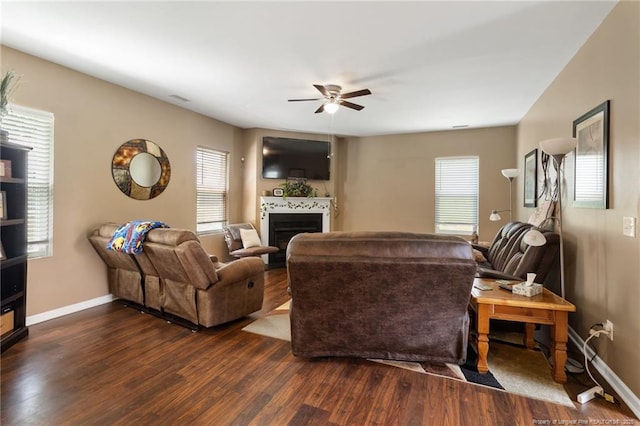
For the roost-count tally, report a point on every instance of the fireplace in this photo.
(283, 227)
(282, 218)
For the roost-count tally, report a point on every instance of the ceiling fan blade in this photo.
(300, 100)
(351, 105)
(321, 109)
(362, 92)
(321, 89)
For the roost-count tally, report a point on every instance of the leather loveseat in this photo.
(387, 295)
(509, 257)
(174, 277)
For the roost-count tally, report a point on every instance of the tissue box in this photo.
(527, 290)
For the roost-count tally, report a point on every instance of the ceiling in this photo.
(430, 65)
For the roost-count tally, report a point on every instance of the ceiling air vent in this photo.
(180, 98)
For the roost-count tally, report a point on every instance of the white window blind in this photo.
(34, 128)
(456, 195)
(211, 189)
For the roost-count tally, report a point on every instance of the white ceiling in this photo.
(430, 65)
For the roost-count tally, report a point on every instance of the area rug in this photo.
(512, 368)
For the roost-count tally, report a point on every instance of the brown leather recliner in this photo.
(389, 295)
(234, 242)
(509, 257)
(198, 288)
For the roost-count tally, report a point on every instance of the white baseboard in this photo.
(70, 309)
(618, 386)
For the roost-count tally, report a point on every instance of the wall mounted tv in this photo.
(284, 158)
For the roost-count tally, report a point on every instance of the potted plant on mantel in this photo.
(298, 188)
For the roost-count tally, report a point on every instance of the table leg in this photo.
(529, 329)
(482, 321)
(559, 332)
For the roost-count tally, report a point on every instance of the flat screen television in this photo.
(284, 158)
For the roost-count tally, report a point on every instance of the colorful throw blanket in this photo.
(128, 238)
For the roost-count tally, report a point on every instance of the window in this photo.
(456, 195)
(211, 190)
(33, 128)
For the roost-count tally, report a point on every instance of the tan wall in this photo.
(387, 182)
(92, 118)
(602, 265)
(255, 184)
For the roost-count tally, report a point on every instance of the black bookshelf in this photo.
(13, 234)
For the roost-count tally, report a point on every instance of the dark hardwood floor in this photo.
(114, 365)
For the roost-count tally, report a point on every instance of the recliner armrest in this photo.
(483, 272)
(482, 249)
(239, 269)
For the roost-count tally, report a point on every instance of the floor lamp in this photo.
(557, 148)
(509, 174)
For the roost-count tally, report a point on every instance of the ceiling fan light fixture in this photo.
(331, 107)
(334, 98)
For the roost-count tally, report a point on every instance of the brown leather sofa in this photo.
(509, 257)
(176, 279)
(387, 295)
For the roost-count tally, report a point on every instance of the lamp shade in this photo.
(494, 216)
(510, 173)
(534, 238)
(559, 146)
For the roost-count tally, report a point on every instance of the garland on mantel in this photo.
(300, 204)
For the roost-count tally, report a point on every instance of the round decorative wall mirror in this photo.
(141, 169)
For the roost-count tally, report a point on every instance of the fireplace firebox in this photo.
(303, 214)
(284, 226)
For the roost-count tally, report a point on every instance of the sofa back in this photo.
(391, 295)
(123, 273)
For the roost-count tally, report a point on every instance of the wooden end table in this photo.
(545, 308)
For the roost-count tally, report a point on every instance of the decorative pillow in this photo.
(250, 238)
(478, 256)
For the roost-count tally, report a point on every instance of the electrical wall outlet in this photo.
(608, 326)
(629, 226)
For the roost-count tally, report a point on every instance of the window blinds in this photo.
(456, 195)
(34, 129)
(211, 190)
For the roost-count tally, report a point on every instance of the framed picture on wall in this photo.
(531, 178)
(592, 158)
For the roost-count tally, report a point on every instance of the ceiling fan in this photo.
(333, 98)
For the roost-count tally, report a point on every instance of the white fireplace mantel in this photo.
(270, 205)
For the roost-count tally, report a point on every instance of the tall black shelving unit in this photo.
(13, 233)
